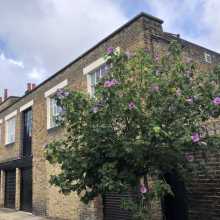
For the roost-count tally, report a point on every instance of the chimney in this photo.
(28, 87)
(5, 94)
(33, 86)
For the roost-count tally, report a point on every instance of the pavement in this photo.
(8, 214)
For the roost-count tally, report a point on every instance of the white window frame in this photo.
(208, 57)
(51, 122)
(89, 69)
(8, 118)
(26, 106)
(92, 67)
(49, 95)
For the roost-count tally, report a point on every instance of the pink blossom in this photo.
(95, 109)
(114, 82)
(110, 50)
(189, 157)
(216, 101)
(143, 189)
(61, 93)
(110, 83)
(189, 100)
(131, 105)
(195, 137)
(107, 84)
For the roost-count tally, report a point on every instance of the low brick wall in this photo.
(204, 190)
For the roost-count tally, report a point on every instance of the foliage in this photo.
(147, 118)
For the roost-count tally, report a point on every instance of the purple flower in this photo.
(216, 101)
(110, 50)
(61, 93)
(107, 84)
(131, 105)
(110, 83)
(189, 157)
(95, 109)
(155, 88)
(189, 100)
(143, 189)
(195, 137)
(114, 82)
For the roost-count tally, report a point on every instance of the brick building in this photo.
(27, 125)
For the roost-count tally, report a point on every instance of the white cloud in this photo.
(195, 20)
(11, 61)
(42, 36)
(210, 20)
(37, 74)
(8, 68)
(176, 13)
(47, 34)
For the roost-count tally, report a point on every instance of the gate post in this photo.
(2, 189)
(157, 213)
(18, 189)
(98, 206)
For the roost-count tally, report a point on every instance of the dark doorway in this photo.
(27, 133)
(26, 189)
(10, 188)
(112, 206)
(175, 207)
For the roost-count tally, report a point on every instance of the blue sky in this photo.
(39, 37)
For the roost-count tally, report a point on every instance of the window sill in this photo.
(10, 144)
(53, 129)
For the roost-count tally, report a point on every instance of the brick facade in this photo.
(143, 31)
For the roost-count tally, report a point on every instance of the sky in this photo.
(37, 38)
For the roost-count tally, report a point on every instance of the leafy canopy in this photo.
(147, 118)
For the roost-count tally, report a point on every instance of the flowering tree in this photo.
(147, 119)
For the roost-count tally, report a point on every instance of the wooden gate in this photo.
(10, 188)
(112, 206)
(26, 189)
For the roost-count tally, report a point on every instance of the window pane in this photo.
(97, 75)
(104, 70)
(10, 130)
(55, 111)
(93, 81)
(93, 90)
